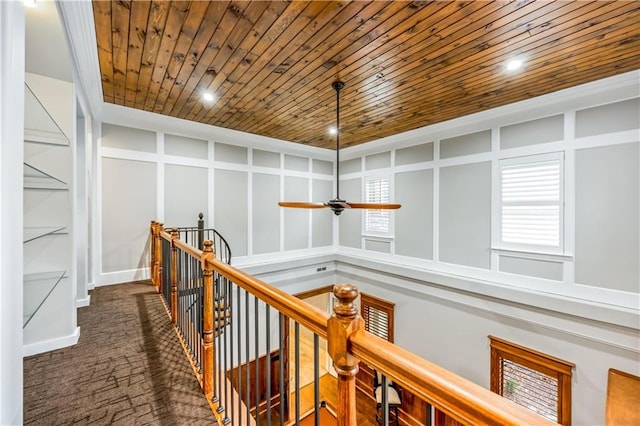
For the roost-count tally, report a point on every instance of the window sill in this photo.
(378, 237)
(530, 254)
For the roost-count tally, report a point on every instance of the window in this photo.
(378, 316)
(531, 203)
(378, 320)
(377, 222)
(539, 382)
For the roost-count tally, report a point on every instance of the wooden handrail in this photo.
(459, 398)
(194, 252)
(298, 310)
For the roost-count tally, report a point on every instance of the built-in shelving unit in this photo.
(47, 172)
(37, 179)
(38, 286)
(39, 124)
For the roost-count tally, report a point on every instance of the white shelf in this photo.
(37, 288)
(37, 179)
(34, 232)
(39, 125)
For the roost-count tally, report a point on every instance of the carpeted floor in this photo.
(128, 368)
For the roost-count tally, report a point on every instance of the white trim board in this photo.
(557, 320)
(485, 287)
(50, 345)
(119, 277)
(81, 303)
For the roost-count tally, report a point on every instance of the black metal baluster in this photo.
(199, 308)
(385, 401)
(179, 300)
(297, 369)
(239, 366)
(281, 358)
(226, 355)
(189, 307)
(316, 379)
(218, 343)
(256, 359)
(267, 323)
(231, 345)
(247, 355)
(183, 299)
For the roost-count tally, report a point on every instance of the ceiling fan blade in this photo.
(301, 205)
(375, 206)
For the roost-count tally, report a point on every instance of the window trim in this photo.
(381, 305)
(523, 247)
(546, 364)
(369, 233)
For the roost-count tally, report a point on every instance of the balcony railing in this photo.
(235, 329)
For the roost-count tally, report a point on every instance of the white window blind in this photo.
(377, 191)
(531, 201)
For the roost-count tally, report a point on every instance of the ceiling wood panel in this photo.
(270, 65)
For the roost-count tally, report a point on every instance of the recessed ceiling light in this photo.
(207, 97)
(514, 64)
(333, 130)
(29, 3)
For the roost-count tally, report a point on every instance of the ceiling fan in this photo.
(337, 205)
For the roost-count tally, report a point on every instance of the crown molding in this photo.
(79, 29)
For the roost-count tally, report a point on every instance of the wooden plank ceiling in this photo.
(270, 64)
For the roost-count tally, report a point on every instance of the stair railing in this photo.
(242, 346)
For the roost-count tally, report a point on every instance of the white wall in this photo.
(151, 167)
(12, 22)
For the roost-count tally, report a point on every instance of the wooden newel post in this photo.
(152, 253)
(344, 321)
(207, 329)
(159, 229)
(174, 277)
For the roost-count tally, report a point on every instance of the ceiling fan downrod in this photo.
(337, 209)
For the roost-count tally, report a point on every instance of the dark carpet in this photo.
(128, 368)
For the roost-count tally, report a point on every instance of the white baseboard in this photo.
(50, 345)
(86, 301)
(119, 277)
